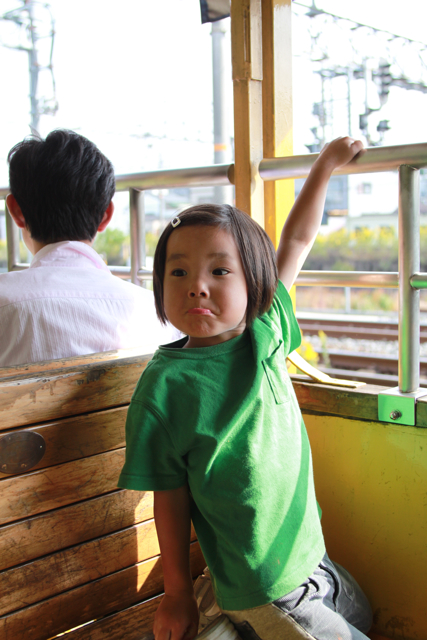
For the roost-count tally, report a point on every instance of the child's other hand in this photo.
(339, 152)
(177, 617)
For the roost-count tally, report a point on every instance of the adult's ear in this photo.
(106, 218)
(15, 211)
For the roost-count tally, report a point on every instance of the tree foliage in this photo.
(114, 246)
(359, 250)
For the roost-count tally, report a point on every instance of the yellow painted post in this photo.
(277, 111)
(277, 108)
(246, 47)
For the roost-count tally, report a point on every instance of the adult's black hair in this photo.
(63, 185)
(255, 248)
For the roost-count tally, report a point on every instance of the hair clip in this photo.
(176, 221)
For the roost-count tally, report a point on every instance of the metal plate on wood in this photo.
(20, 451)
(398, 407)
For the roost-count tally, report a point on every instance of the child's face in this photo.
(205, 293)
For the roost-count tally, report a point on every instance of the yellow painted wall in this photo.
(371, 482)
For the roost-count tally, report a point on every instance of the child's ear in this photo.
(15, 211)
(106, 218)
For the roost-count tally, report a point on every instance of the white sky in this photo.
(123, 69)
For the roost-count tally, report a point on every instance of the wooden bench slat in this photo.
(41, 535)
(68, 392)
(62, 571)
(39, 491)
(78, 437)
(91, 601)
(31, 368)
(361, 403)
(133, 624)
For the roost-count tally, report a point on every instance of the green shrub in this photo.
(360, 250)
(114, 246)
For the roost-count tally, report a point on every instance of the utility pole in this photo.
(25, 17)
(33, 70)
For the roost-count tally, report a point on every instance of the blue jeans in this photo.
(330, 605)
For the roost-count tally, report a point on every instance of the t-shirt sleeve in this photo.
(281, 315)
(152, 461)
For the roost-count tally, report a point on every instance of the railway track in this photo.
(376, 362)
(372, 368)
(358, 330)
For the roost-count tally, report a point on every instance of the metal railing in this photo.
(407, 159)
(135, 184)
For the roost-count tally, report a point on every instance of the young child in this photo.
(214, 428)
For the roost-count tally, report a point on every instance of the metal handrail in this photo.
(407, 159)
(371, 160)
(214, 175)
(360, 279)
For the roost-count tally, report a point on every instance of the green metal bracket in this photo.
(398, 407)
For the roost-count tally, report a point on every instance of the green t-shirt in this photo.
(225, 420)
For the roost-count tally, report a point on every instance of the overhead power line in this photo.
(359, 51)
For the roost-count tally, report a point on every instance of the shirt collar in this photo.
(70, 253)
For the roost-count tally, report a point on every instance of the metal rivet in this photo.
(394, 415)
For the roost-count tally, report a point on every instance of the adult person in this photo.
(67, 303)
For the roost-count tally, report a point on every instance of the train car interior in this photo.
(79, 558)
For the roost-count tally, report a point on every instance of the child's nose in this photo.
(198, 287)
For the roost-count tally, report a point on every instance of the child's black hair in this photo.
(255, 248)
(63, 185)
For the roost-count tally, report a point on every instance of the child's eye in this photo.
(220, 272)
(179, 273)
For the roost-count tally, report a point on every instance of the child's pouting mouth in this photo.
(199, 311)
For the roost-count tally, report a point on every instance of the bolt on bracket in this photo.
(396, 406)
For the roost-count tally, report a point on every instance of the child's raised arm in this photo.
(303, 222)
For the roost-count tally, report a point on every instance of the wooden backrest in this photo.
(73, 547)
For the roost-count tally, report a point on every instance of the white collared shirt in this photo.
(68, 303)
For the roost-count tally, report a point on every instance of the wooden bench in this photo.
(75, 550)
(73, 547)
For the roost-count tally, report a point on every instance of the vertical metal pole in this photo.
(222, 154)
(349, 100)
(347, 294)
(137, 233)
(323, 114)
(409, 263)
(347, 290)
(12, 239)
